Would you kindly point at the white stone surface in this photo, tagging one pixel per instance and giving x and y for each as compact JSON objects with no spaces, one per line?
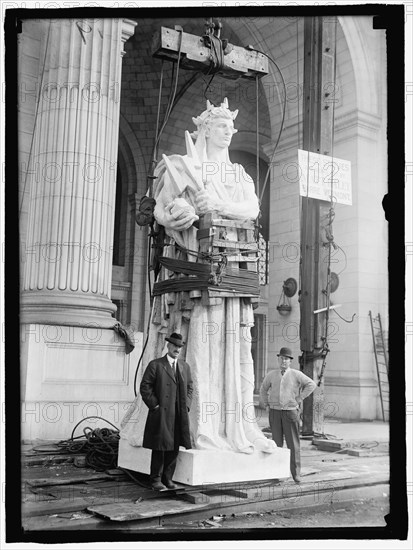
{"x":70,"y":373}
{"x":195,"y":467}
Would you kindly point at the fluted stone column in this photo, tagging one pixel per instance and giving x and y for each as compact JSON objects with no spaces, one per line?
{"x":72,"y":174}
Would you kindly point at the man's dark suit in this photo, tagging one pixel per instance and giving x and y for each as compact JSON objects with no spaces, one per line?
{"x":167,"y":425}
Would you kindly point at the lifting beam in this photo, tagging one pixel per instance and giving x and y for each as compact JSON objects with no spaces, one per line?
{"x":196,"y":54}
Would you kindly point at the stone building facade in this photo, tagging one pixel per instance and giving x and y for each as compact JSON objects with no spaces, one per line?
{"x":88,"y":101}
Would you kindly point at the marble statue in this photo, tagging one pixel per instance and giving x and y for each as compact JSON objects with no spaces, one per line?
{"x":218,"y":339}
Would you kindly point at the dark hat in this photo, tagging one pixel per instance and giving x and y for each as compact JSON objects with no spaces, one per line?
{"x":286,"y":352}
{"x":175,"y":339}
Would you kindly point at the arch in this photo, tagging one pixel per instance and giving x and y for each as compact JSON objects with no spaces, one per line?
{"x":366,"y":94}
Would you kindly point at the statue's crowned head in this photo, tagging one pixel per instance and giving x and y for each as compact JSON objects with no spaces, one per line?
{"x":211,"y":113}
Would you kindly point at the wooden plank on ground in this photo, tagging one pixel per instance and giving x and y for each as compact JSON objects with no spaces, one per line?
{"x":39,"y":459}
{"x":38,"y":497}
{"x":365,"y":452}
{"x":195,"y":498}
{"x":279,"y":496}
{"x":79,"y":489}
{"x":231,"y":492}
{"x":235,"y":493}
{"x":75,"y":504}
{"x":91,"y":493}
{"x":115,"y":483}
{"x":144,"y":510}
{"x":83,"y":521}
{"x":67,"y":479}
{"x":326,"y":444}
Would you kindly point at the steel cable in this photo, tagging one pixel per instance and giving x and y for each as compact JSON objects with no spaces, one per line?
{"x":100,"y":445}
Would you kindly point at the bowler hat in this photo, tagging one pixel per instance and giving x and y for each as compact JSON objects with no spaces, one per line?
{"x":175,"y":339}
{"x":286,"y":352}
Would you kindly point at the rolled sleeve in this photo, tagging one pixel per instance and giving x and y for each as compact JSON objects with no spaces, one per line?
{"x":307,"y":386}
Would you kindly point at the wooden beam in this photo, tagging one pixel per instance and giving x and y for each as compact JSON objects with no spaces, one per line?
{"x":195,"y":55}
{"x":195,"y":498}
{"x":67,"y":479}
{"x":319,"y":53}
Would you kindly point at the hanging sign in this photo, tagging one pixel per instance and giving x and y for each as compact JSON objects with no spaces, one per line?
{"x":322,"y":176}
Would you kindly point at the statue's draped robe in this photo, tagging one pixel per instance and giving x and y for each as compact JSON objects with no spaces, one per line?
{"x":218,"y":337}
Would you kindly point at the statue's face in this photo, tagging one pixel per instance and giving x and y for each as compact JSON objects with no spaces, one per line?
{"x":219,"y":132}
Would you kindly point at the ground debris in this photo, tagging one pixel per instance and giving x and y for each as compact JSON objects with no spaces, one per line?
{"x":70,"y":515}
{"x":80,"y":462}
{"x":212,"y":523}
{"x":221,"y":517}
{"x":80,"y":515}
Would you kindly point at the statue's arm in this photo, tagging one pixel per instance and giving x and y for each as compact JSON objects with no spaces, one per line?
{"x":172,"y":219}
{"x":246,"y":209}
{"x":171,"y":212}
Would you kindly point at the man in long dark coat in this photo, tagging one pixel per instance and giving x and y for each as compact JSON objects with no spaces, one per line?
{"x":166,"y":389}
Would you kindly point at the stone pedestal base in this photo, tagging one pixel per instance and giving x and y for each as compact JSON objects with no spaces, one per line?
{"x":196,"y":467}
{"x":69,"y":373}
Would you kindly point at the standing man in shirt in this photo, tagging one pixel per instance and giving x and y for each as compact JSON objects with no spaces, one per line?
{"x":281,"y":393}
{"x":166,"y":389}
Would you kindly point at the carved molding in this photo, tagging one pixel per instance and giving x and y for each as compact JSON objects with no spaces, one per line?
{"x":97,"y":348}
{"x":359,"y":122}
{"x":128,"y":29}
{"x":350,"y":382}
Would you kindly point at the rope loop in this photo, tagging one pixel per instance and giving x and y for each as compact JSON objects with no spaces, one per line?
{"x":217,"y":54}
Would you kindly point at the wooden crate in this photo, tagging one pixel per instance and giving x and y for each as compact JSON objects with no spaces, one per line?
{"x":234,"y":251}
{"x":227,"y":266}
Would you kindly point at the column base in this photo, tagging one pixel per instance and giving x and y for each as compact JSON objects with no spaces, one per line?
{"x":70,"y":309}
{"x":195,"y":467}
{"x":70,"y":373}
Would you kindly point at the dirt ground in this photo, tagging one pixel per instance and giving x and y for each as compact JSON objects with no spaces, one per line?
{"x":357,"y":513}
